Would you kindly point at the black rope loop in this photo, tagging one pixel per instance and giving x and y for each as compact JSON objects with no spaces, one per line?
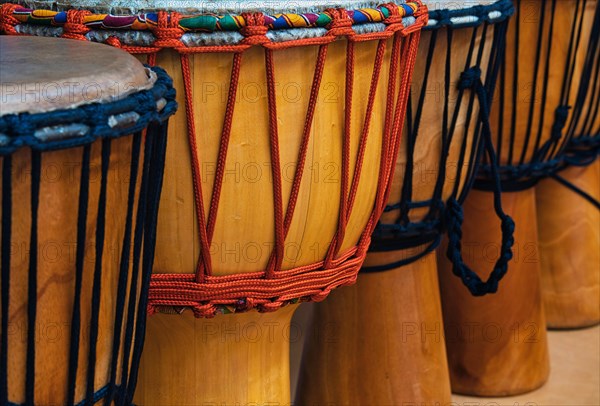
{"x":471,"y":78}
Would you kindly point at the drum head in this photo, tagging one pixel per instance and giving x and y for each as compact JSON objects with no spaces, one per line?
{"x":43,"y":74}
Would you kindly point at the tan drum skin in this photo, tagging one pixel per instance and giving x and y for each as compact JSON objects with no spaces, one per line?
{"x":508,"y":366}
{"x":173,"y":357}
{"x":384,"y":367}
{"x":57,"y":230}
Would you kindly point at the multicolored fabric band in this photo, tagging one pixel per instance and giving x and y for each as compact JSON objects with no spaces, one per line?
{"x":211,"y":22}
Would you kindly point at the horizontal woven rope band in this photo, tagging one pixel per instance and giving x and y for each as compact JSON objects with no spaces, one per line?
{"x":247,"y":291}
{"x":204,"y":292}
{"x":581,"y":151}
{"x":211,"y":22}
{"x":80,"y":126}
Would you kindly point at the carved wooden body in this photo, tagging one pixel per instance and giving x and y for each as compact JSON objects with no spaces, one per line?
{"x":244,"y":237}
{"x":57,"y":237}
{"x":506,"y":366}
{"x":569,"y":238}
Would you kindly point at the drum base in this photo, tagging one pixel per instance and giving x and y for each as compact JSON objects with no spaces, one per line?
{"x":232,"y":359}
{"x":497,"y":343}
{"x":379,"y":342}
{"x":569,"y":229}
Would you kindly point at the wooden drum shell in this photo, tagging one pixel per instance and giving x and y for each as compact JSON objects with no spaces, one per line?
{"x":57,"y":239}
{"x":569,"y":245}
{"x":78,"y":147}
{"x":244,"y":236}
{"x":522,"y":118}
{"x":245,"y":219}
{"x":389,"y":354}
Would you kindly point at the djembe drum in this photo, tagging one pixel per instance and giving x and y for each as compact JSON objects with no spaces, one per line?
{"x":568,"y":207}
{"x":498,"y":345}
{"x":82,"y":141}
{"x":399,"y":357}
{"x":275,"y":175}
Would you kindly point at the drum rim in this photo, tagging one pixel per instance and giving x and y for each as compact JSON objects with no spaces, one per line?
{"x":82,"y":125}
{"x":202,"y":30}
{"x":128,"y":7}
{"x":188,"y":22}
{"x":491,"y":11}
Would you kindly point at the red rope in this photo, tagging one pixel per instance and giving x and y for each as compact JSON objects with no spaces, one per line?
{"x":7,"y":21}
{"x":275,"y":166}
{"x":74,"y":28}
{"x":386,"y":166}
{"x":204,"y":265}
{"x":365,"y":133}
{"x":339,"y":235}
{"x":272,"y":288}
{"x":312,"y":103}
{"x":225,"y":136}
{"x":312,"y":282}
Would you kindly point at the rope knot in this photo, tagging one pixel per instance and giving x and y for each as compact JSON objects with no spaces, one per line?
{"x":561,"y":114}
{"x":470,"y":78}
{"x":207,"y":310}
{"x":341,"y":23}
{"x":255,"y":30}
{"x":7,"y":20}
{"x":168,"y":33}
{"x":481,"y":13}
{"x":443,"y":17}
{"x":75,"y":28}
{"x":151,"y":309}
{"x":394,"y":18}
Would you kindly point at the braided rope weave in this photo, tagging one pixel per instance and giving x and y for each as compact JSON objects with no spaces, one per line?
{"x":447,"y":215}
{"x":562,"y":145}
{"x":272,"y":288}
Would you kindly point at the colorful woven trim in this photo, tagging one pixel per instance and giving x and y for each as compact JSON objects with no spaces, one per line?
{"x":210,"y":22}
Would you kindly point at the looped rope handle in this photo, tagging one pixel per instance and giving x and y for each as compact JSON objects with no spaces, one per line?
{"x":471,"y":78}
